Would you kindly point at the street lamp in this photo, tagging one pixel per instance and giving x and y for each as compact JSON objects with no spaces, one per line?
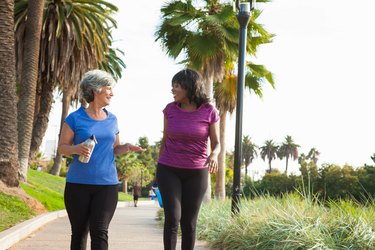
{"x":243,"y":17}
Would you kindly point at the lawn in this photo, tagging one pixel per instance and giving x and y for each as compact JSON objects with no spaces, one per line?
{"x":46,"y":188}
{"x":12,"y":211}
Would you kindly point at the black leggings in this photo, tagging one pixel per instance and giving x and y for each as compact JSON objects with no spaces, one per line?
{"x":90,"y":207}
{"x":182,"y":192}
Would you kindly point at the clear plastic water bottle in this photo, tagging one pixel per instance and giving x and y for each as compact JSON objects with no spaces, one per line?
{"x":90,"y":142}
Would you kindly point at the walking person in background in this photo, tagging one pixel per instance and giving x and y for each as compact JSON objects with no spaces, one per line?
{"x":91,"y":188}
{"x":184,"y":164}
{"x":136,"y":193}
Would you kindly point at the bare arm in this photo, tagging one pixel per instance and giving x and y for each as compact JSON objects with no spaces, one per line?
{"x":215,"y":148}
{"x":124,"y":148}
{"x":162,"y":144}
{"x":66,"y":146}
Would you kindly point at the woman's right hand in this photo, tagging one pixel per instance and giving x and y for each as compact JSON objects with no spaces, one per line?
{"x":82,"y":149}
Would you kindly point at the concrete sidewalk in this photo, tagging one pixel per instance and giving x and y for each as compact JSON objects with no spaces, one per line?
{"x":132,"y":228}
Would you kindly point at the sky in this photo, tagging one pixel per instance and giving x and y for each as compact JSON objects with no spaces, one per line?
{"x":322,"y":58}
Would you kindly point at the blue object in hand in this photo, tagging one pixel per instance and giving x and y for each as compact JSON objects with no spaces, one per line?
{"x":157,"y":192}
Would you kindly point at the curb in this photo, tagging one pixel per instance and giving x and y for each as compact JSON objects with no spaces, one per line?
{"x":14,"y":234}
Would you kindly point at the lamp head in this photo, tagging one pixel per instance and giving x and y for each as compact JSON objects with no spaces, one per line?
{"x":236,"y":4}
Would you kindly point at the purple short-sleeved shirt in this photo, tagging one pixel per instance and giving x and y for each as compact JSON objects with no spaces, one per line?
{"x":187,"y":135}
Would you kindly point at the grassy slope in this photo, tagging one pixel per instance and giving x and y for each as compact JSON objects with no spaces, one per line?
{"x":46,"y":188}
{"x":12,"y":211}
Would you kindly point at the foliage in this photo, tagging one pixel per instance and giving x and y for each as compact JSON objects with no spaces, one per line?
{"x":206,"y":35}
{"x":338,"y":182}
{"x":276,"y":183}
{"x":228,"y":181}
{"x":331,"y":182}
{"x":148,"y":159}
{"x":125,"y":164}
{"x":249,"y":151}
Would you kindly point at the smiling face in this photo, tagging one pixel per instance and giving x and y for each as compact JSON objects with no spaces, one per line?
{"x":104,"y":96}
{"x":179,"y":93}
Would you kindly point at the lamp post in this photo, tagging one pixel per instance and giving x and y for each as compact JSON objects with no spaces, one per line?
{"x":243,"y":17}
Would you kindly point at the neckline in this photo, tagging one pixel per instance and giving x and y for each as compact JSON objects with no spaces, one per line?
{"x":88,"y":116}
{"x":184,"y":110}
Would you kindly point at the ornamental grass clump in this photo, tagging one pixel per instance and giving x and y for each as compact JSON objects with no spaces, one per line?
{"x":214,"y":217}
{"x":290,"y":222}
{"x":353,"y":226}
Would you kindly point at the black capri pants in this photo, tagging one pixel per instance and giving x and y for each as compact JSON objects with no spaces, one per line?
{"x":182,"y":192}
{"x":90,"y":208}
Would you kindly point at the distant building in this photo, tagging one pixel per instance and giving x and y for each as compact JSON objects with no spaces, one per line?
{"x":50,"y":148}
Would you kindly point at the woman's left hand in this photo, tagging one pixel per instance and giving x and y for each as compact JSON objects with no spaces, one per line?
{"x":212,"y":164}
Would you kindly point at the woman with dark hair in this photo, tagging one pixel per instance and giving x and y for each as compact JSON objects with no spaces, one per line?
{"x":184,"y":163}
{"x":91,"y":184}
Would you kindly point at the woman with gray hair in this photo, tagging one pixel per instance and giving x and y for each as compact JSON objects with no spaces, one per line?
{"x":91,"y":183}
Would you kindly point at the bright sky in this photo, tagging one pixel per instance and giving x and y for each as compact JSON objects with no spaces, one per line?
{"x":322,"y":59}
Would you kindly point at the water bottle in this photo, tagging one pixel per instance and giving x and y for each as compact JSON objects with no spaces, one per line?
{"x":90,"y":142}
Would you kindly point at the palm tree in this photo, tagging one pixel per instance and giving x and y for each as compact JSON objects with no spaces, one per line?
{"x":269,"y":151}
{"x":225,"y":93}
{"x":8,"y":118}
{"x":288,"y":149}
{"x":249,"y":151}
{"x":207,"y":37}
{"x":75,"y":38}
{"x":313,"y":155}
{"x":29,"y":76}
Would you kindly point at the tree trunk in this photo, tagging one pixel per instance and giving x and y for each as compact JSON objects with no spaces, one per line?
{"x":41,"y":122}
{"x":246,"y":165}
{"x":208,"y":84}
{"x":125,"y":184}
{"x":56,"y":168}
{"x":29,"y":76}
{"x":286,"y":165}
{"x":269,"y":164}
{"x":8,"y":119}
{"x":220,"y":177}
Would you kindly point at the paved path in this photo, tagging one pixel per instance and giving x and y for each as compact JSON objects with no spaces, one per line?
{"x":132,"y":228}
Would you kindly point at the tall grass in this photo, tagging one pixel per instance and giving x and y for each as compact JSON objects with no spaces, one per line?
{"x":291,"y":222}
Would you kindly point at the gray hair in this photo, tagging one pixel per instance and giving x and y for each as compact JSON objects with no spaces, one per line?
{"x":93,"y":81}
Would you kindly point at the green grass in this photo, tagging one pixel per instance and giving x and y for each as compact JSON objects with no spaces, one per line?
{"x":13,"y":211}
{"x":124,"y":197}
{"x":51,"y":182}
{"x":46,"y":188}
